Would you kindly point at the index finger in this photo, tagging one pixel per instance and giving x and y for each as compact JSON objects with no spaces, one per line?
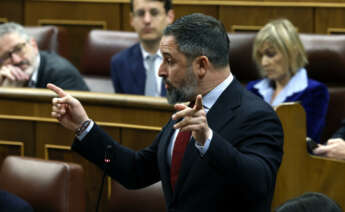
{"x":57,"y":90}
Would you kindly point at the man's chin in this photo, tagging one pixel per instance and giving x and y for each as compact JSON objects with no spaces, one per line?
{"x":150,"y":38}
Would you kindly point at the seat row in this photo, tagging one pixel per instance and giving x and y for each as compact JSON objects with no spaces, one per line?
{"x":50,"y":185}
{"x":59,"y":186}
{"x":326,"y":54}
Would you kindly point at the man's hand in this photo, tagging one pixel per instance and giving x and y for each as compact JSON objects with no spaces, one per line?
{"x":67,"y":109}
{"x":335,"y":148}
{"x":193,"y":119}
{"x":13,"y":76}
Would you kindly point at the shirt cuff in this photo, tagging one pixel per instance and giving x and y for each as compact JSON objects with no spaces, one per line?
{"x":203,"y":148}
{"x":86,"y":131}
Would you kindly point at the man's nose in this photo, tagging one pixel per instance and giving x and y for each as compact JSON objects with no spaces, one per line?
{"x":162,"y":71}
{"x":15,"y":58}
{"x":147,"y":17}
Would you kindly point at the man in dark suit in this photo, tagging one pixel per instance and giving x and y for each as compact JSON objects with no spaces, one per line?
{"x":131,"y":69}
{"x":219,"y":153}
{"x":23,"y":65}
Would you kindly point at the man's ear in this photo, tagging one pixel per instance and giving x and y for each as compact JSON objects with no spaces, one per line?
{"x":131,"y":17}
{"x":201,"y":66}
{"x":170,"y":16}
{"x":33,"y":43}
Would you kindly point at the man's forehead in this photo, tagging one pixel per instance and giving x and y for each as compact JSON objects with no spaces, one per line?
{"x":9,"y":40}
{"x":168,"y":43}
{"x":143,"y":3}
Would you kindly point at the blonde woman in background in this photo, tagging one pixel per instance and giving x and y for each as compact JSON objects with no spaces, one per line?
{"x":281,"y":58}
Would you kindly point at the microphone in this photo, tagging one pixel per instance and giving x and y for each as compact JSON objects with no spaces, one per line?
{"x":107,"y":160}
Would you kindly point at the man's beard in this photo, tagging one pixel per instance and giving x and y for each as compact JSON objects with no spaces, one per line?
{"x":186,"y":92}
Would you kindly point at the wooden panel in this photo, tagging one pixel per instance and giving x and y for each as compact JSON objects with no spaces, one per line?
{"x":3,"y":20}
{"x":51,"y":133}
{"x":12,"y":10}
{"x":327,"y":19}
{"x":77,"y":17}
{"x":336,"y":31}
{"x":181,"y":10}
{"x":114,"y":108}
{"x":77,"y":32}
{"x":10,"y":148}
{"x":93,"y":175}
{"x":301,"y":172}
{"x":77,"y":11}
{"x":241,"y":28}
{"x":19,"y":131}
{"x":137,"y":139}
{"x":302,"y":18}
{"x":125,"y":24}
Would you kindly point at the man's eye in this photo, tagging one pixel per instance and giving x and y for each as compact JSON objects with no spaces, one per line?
{"x":139,"y":13}
{"x":154,"y":12}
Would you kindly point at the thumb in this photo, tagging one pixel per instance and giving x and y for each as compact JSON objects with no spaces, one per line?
{"x":60,"y":92}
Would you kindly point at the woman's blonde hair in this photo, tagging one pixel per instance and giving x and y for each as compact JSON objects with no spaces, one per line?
{"x":283,"y":36}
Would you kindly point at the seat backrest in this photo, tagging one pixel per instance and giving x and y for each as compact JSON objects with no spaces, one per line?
{"x":50,"y":38}
{"x":326,"y":55}
{"x":45,"y":36}
{"x":142,"y":200}
{"x":100,"y":46}
{"x":335,"y":113}
{"x":240,"y":57}
{"x":47,"y":185}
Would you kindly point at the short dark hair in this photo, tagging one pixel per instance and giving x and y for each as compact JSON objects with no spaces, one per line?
{"x":201,"y":35}
{"x":310,"y":202}
{"x":167,"y":4}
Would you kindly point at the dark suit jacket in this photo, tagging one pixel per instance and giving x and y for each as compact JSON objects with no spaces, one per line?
{"x":314,"y":100}
{"x":58,"y":70}
{"x":11,"y":203}
{"x":237,"y":173}
{"x":128,"y":72}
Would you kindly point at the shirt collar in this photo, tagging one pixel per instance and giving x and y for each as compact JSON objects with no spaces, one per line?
{"x":146,"y":53}
{"x":297,"y":83}
{"x":211,"y":97}
{"x":34,"y":75}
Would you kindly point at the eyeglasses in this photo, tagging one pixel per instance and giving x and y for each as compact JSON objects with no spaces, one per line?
{"x":141,"y":13}
{"x":18,"y":50}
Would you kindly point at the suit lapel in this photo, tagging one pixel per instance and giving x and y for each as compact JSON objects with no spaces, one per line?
{"x":222,"y":110}
{"x":138,"y":70}
{"x":162,"y":156}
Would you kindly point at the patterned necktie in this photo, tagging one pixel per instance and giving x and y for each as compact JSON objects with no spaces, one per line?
{"x":151,"y":83}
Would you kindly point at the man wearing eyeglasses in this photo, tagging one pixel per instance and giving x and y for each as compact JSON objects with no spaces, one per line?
{"x":23,"y":65}
{"x":135,"y":70}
